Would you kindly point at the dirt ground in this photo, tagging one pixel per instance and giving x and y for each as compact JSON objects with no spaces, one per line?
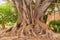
{"x":28,"y":34}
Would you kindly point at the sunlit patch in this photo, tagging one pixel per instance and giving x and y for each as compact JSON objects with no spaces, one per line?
{"x":2,"y":2}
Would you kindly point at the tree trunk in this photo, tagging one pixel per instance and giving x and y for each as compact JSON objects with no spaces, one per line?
{"x":3,"y":25}
{"x":29,"y":16}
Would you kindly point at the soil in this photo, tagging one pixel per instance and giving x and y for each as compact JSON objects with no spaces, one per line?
{"x":29,"y":33}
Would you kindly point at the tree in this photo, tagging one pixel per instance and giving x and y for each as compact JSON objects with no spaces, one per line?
{"x":30,"y":16}
{"x":7,"y":14}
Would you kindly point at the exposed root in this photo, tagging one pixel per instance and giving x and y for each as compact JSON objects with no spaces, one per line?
{"x":32,"y":32}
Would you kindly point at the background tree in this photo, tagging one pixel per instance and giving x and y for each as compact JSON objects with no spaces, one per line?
{"x":7,"y":14}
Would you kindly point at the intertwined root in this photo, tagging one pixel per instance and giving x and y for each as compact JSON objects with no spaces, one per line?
{"x":35,"y":29}
{"x":29,"y":32}
{"x":31,"y":29}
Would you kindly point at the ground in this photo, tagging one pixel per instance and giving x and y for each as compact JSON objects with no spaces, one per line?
{"x":37,"y":33}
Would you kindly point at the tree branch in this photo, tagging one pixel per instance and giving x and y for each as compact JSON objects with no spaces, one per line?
{"x":37,"y":3}
{"x":45,"y":5}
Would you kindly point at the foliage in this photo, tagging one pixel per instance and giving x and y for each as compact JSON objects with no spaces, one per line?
{"x":55,"y":24}
{"x":8,"y":13}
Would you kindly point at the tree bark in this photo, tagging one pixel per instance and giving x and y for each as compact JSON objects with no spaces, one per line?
{"x":29,"y":16}
{"x":3,"y":25}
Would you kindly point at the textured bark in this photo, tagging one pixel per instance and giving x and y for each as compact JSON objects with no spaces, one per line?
{"x":27,"y":15}
{"x":29,"y":19}
{"x":29,"y":25}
